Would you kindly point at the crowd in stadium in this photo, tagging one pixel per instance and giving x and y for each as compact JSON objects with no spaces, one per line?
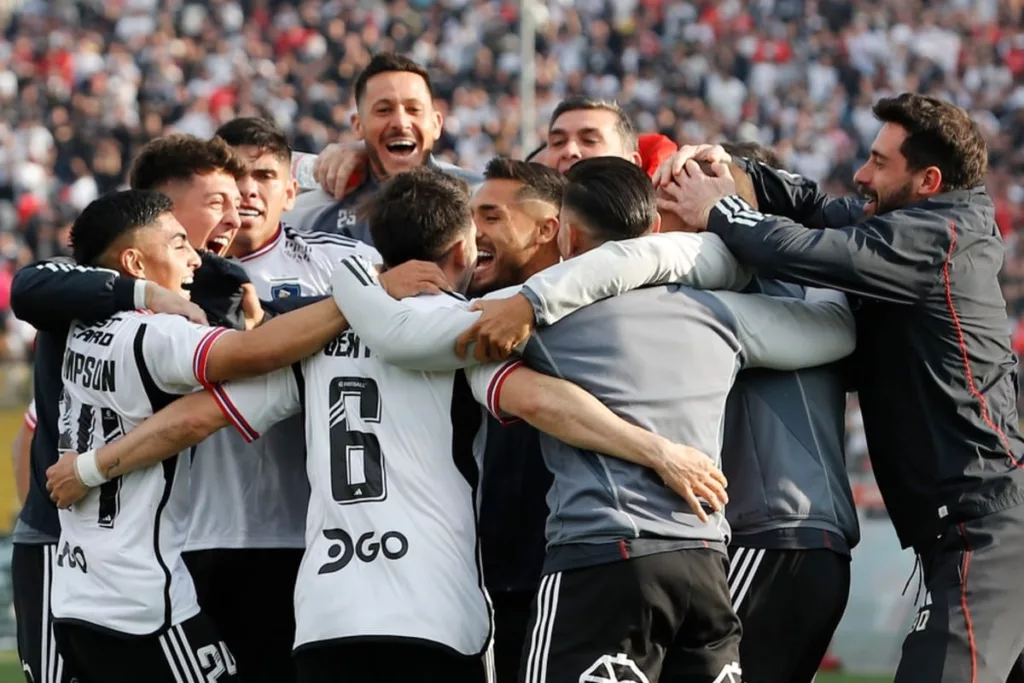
{"x":813,"y":81}
{"x":84,"y":84}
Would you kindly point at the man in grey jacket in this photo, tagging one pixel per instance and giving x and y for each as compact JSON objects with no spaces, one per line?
{"x":635,"y":584}
{"x":397,"y":121}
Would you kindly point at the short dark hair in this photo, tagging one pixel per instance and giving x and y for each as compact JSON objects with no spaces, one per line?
{"x":623,"y":124}
{"x":533,"y":155}
{"x":939,"y":134}
{"x":418,"y":215}
{"x":614,"y":197}
{"x":387,"y":62}
{"x":106,"y":219}
{"x":251,"y":131}
{"x":754,"y":151}
{"x":181,"y":157}
{"x":539,"y":182}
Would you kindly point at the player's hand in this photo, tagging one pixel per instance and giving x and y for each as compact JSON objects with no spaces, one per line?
{"x":412,"y":278}
{"x":63,"y":483}
{"x":692,"y":475}
{"x":694,"y":193}
{"x":672,"y":168}
{"x":335,"y":166}
{"x":162,"y":300}
{"x":252,"y":309}
{"x":504,"y":325}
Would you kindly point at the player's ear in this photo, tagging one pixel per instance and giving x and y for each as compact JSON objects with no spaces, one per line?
{"x":291,"y":191}
{"x":438,"y":120}
{"x":657,"y":223}
{"x":357,"y":125}
{"x":131,"y":263}
{"x":547,"y":229}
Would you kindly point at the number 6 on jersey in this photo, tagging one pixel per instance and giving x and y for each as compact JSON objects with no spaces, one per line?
{"x":357,"y":465}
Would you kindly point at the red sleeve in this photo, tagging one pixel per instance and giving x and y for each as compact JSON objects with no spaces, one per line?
{"x":654,"y":149}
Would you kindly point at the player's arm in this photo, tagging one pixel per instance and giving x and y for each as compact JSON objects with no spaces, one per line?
{"x":788,"y":334}
{"x":570,"y":414}
{"x":897,"y":256}
{"x":802,"y":200}
{"x":21,"y":453}
{"x":51,"y":294}
{"x":398,"y":333}
{"x":250,"y":405}
{"x":694,"y":259}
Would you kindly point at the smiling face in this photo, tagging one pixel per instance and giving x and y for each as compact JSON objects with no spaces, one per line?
{"x":397,"y":119}
{"x":162,"y":254}
{"x":267,"y":190}
{"x":207,"y":207}
{"x":884,"y":180}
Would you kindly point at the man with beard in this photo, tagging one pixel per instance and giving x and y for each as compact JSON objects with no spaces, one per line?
{"x":399,"y":125}
{"x":49,"y":296}
{"x":933,"y":367}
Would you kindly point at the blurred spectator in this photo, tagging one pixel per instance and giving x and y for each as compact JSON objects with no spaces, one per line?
{"x":84,"y":83}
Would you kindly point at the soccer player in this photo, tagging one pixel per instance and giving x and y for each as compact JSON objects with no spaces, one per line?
{"x":249,"y":501}
{"x":933,"y":368}
{"x":614,"y":531}
{"x":396,"y":118}
{"x":390,"y":572}
{"x":122,"y":600}
{"x":49,"y":296}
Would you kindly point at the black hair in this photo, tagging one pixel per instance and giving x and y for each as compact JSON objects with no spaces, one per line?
{"x":109,"y":217}
{"x":418,"y":215}
{"x":613,"y":197}
{"x":539,"y":182}
{"x":939,"y":134}
{"x":754,"y":151}
{"x":251,"y":131}
{"x":623,"y":124}
{"x":388,"y":62}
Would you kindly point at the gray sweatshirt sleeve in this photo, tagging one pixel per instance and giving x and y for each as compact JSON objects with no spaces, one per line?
{"x":699,"y":260}
{"x":399,"y":333}
{"x":790,"y":334}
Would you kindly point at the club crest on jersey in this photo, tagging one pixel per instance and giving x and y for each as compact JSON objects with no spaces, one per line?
{"x":285,"y":290}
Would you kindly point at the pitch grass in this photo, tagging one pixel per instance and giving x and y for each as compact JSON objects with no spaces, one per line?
{"x":10,"y":672}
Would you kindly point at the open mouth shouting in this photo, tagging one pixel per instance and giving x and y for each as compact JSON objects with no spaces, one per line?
{"x":402,"y":151}
{"x":219,"y":244}
{"x":484,"y":263}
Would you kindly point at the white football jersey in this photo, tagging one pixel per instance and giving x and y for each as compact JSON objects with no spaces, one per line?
{"x":391,"y":536}
{"x":119,"y":555}
{"x":254,"y":495}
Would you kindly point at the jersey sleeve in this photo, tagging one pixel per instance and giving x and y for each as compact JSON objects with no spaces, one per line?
{"x":698,"y":260}
{"x":798,"y":198}
{"x":51,"y":294}
{"x":254,"y":405}
{"x":486,"y":381}
{"x":30,"y":416}
{"x":177,"y":352}
{"x":405,"y":333}
{"x":789,"y":334}
{"x":895,"y":257}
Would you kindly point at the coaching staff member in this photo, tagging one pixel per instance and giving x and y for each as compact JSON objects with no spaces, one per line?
{"x":935,"y":371}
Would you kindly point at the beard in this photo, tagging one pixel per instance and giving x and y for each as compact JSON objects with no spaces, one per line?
{"x":377,"y":163}
{"x":880,"y":203}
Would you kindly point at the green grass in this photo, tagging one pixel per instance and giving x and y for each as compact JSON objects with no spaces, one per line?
{"x":834,"y":678}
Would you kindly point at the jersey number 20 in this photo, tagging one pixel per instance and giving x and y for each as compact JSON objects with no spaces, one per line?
{"x":357,"y":464}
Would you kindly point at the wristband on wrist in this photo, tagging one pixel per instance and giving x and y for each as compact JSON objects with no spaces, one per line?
{"x":140,"y":295}
{"x":88,"y":470}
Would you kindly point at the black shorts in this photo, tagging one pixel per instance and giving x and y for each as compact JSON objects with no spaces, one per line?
{"x":511,"y":628}
{"x":970,"y":623}
{"x":31,"y":578}
{"x":386,"y":661}
{"x":790,"y":603}
{"x":664,"y":616}
{"x":249,"y":595}
{"x":190,"y":651}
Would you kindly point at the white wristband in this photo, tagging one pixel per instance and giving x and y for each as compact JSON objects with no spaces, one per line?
{"x":140,"y":295}
{"x":88,"y":470}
